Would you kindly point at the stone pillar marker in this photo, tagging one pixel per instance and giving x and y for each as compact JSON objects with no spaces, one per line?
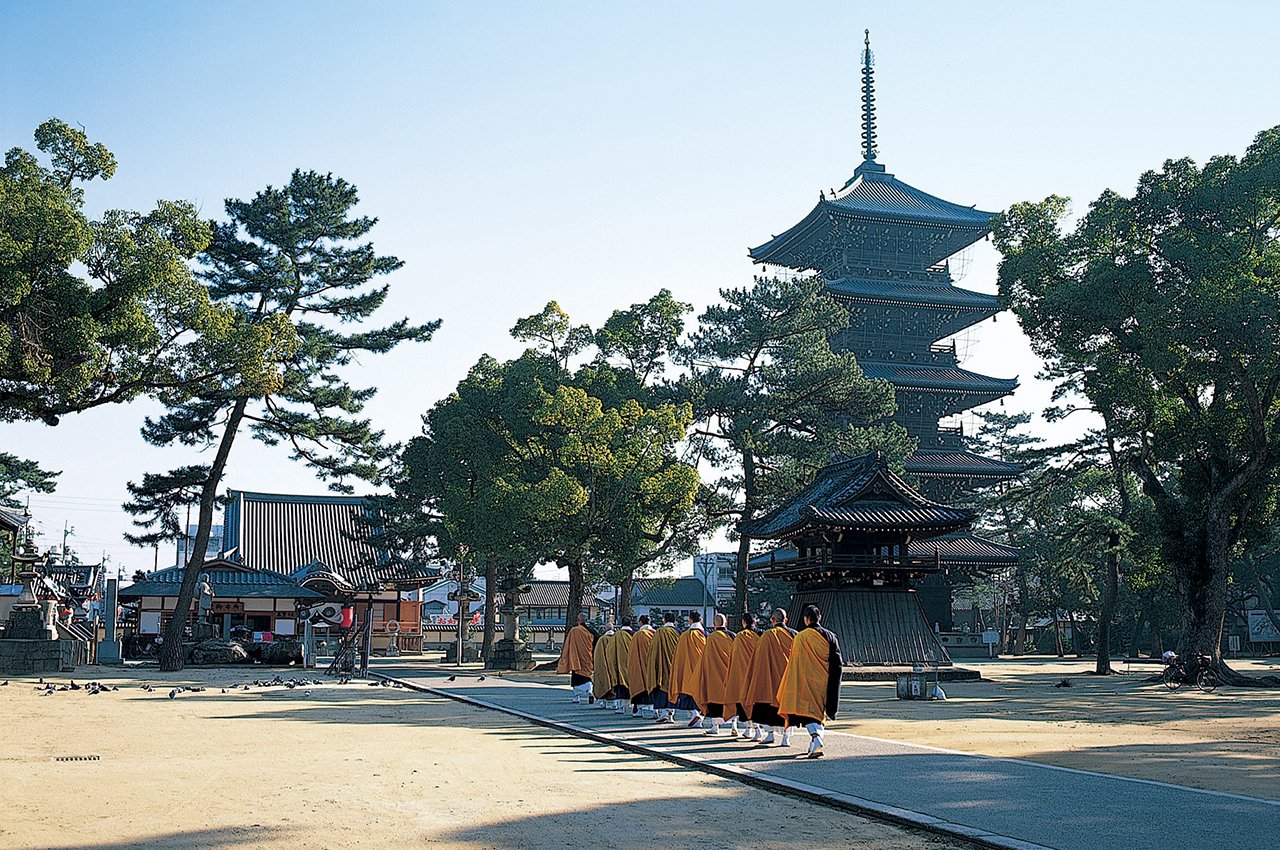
{"x":109,"y":651}
{"x":511,"y":653}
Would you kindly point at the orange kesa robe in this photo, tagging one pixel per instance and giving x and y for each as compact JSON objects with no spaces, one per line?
{"x":657,"y":665}
{"x":713,"y":684}
{"x":636,"y":678}
{"x":767,"y":667}
{"x":810,"y":687}
{"x":686,"y":667}
{"x":602,"y":681}
{"x":619,"y":655}
{"x":744,"y":650}
{"x":578,"y":655}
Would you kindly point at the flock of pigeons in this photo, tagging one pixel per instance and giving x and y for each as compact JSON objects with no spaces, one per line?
{"x":94,"y":688}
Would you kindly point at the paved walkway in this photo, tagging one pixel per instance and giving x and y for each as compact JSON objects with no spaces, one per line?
{"x":998,"y":802}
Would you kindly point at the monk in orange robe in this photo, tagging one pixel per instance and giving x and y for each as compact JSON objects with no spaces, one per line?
{"x":636,"y":658}
{"x":577,"y":658}
{"x":770,"y":662}
{"x":686,"y":669}
{"x":713,"y":684}
{"x":619,"y":654}
{"x":810,"y":689}
{"x":657,"y":668}
{"x":744,"y":650}
{"x":602,"y":681}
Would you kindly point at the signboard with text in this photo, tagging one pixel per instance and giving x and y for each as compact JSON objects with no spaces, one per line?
{"x":1261,"y":629}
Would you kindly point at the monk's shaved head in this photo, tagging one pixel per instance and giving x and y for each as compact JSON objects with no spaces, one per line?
{"x":582,"y":619}
{"x":779,"y":616}
{"x":720,"y":621}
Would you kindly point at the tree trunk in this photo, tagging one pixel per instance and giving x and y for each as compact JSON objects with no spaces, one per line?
{"x":1024,"y":605}
{"x":171,"y":652}
{"x":744,"y":542}
{"x":1137,"y":634}
{"x":490,"y":606}
{"x":575,"y":597}
{"x":1204,"y":589}
{"x":1057,"y":633}
{"x":1111,"y":590}
{"x":624,"y":596}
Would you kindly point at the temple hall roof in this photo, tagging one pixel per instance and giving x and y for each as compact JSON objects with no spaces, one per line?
{"x":684,"y":592}
{"x":321,"y":540}
{"x":859,"y":494}
{"x":964,"y":549}
{"x":228,"y":580}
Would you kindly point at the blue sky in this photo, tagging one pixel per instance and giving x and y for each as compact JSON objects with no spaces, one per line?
{"x":594,"y":153}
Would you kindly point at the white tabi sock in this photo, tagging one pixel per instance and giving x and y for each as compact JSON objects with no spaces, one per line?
{"x":786,"y":736}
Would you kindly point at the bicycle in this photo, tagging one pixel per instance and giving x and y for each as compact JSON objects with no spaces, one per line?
{"x":1198,"y":670}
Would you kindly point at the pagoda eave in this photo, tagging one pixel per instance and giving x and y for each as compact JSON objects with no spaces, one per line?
{"x":951,"y":379}
{"x":793,"y":247}
{"x":959,"y":465}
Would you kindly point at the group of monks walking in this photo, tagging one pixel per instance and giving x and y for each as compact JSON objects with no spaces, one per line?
{"x":762,"y":684}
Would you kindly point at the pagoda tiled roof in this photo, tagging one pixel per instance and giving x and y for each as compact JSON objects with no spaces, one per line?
{"x":959,"y":464}
{"x":859,"y":494}
{"x":964,"y":549}
{"x":911,"y":294}
{"x":877,"y":196}
{"x":926,"y":377}
{"x":873,"y":193}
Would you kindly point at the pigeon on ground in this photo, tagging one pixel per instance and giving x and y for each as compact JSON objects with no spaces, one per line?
{"x":451,"y":678}
{"x":480,"y":678}
{"x":173,"y":693}
{"x":1065,"y":683}
{"x":306,"y":693}
{"x":147,"y":688}
{"x":224,"y":690}
{"x":4,"y":683}
{"x":74,"y":686}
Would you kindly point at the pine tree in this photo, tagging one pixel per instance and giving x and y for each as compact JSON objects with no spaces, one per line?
{"x":291,"y":266}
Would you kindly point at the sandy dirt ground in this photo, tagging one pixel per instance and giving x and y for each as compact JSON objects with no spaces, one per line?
{"x":1228,"y":740}
{"x":342,"y":766}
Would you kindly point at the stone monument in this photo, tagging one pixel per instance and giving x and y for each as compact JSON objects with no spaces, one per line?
{"x":30,"y":641}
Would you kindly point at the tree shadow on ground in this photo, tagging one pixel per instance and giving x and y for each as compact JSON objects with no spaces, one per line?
{"x":720,"y":820}
{"x":196,"y":839}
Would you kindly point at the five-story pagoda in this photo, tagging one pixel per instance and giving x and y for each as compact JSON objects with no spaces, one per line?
{"x":883,"y":249}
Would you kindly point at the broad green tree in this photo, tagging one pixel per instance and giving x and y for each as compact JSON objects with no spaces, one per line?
{"x":1163,"y":310}
{"x":293,"y":266}
{"x":773,"y":400}
{"x":95,"y":312}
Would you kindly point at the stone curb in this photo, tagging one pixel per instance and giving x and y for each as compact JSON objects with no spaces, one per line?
{"x":811,"y":793}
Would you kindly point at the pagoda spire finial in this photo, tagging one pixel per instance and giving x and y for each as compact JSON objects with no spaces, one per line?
{"x":868,"y":101}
